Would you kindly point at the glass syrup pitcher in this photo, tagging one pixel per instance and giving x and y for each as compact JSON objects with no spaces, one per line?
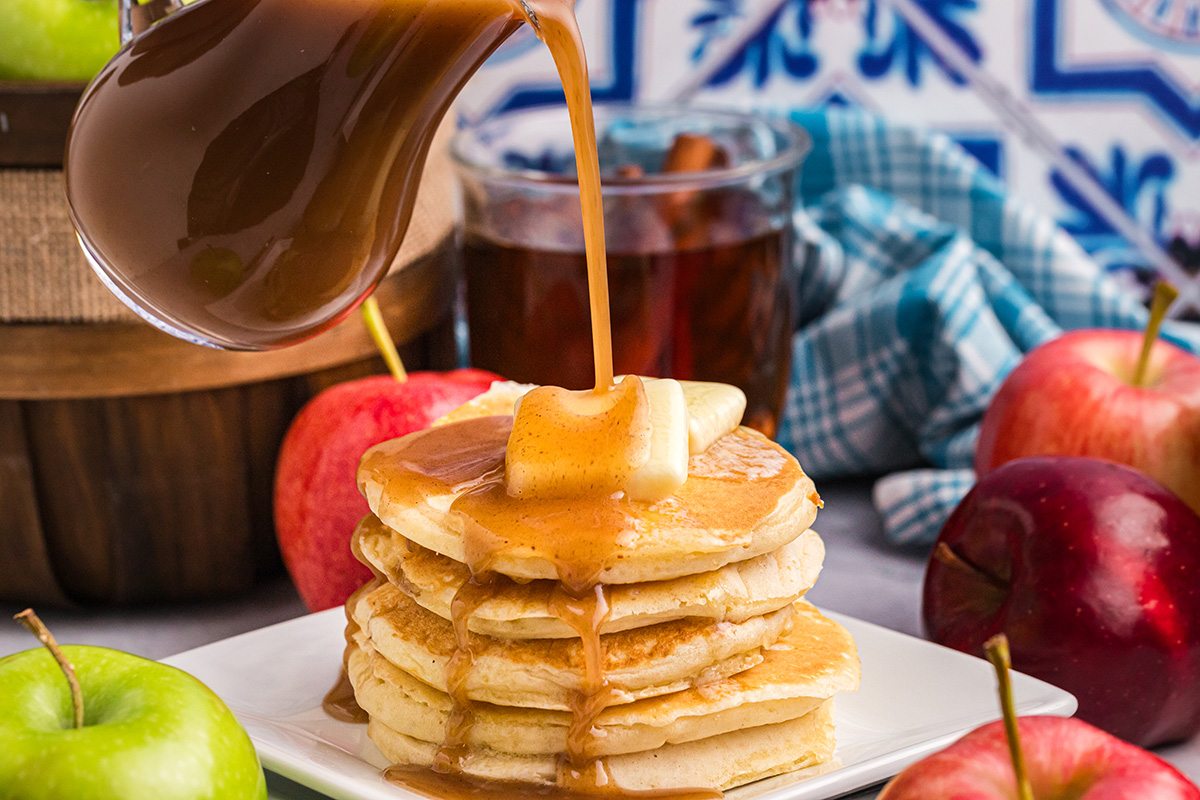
{"x":242,"y":172}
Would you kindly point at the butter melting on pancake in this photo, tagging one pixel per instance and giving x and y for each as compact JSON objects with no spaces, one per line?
{"x":444,"y":489}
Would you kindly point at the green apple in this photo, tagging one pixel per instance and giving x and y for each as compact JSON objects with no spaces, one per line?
{"x":56,"y":40}
{"x":150,"y":732}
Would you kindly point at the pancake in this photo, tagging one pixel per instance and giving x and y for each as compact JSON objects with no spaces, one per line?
{"x":708,"y":671}
{"x":745,"y":496}
{"x":499,"y":400}
{"x":549,"y":673}
{"x":514,"y":610}
{"x":810,"y":663}
{"x":723,"y":761}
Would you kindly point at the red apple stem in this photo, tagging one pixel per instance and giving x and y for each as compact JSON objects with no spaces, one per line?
{"x":38,"y":628}
{"x":996,"y":649}
{"x":1164,"y":295}
{"x":373,"y":317}
{"x":945,"y":554}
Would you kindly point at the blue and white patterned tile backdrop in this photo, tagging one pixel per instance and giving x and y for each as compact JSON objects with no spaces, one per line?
{"x":1116,"y":82}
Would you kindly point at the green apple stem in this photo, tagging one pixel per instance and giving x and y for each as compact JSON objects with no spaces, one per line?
{"x":373,"y":317}
{"x":1164,"y":295}
{"x":997,"y":652}
{"x":38,"y":628}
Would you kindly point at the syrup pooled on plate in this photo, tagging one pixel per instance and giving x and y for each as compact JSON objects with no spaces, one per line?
{"x":245,"y":170}
{"x":340,"y":703}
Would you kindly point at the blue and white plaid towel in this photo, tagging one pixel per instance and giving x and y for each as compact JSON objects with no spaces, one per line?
{"x":921,"y":284}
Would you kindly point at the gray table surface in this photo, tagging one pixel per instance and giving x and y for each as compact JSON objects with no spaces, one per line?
{"x":863,"y":577}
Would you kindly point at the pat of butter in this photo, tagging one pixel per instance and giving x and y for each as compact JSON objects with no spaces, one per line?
{"x":500,"y":399}
{"x":573,"y":443}
{"x":635,"y":438}
{"x":666,"y":468}
{"x":714,"y":410}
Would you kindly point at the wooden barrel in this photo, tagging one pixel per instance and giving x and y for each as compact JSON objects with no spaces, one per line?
{"x":136,"y":467}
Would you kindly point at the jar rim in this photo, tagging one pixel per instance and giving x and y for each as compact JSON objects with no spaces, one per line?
{"x":794,"y":146}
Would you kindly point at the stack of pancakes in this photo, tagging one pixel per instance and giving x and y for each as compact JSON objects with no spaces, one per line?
{"x":703,"y":666}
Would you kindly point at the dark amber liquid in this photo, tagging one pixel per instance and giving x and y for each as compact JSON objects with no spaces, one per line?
{"x":717,"y":313}
{"x":340,"y":703}
{"x":249,"y":167}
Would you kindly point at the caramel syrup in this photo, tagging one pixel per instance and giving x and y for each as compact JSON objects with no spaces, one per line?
{"x":558,"y":28}
{"x":456,"y":746}
{"x":341,"y":704}
{"x":246,"y":171}
{"x":586,"y":614}
{"x":247,"y":168}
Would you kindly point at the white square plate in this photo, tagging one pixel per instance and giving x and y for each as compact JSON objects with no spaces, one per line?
{"x":916,"y":697}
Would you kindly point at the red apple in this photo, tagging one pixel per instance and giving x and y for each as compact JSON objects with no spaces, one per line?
{"x":1066,"y":759}
{"x":1037,"y":758}
{"x":1075,"y":396}
{"x":1092,"y":569}
{"x":317,"y":503}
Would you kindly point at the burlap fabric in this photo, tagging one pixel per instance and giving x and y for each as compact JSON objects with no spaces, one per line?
{"x":45,"y":278}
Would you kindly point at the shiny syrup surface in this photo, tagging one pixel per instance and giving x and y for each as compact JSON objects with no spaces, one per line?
{"x":341,"y":704}
{"x":249,"y":167}
{"x":467,"y":459}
